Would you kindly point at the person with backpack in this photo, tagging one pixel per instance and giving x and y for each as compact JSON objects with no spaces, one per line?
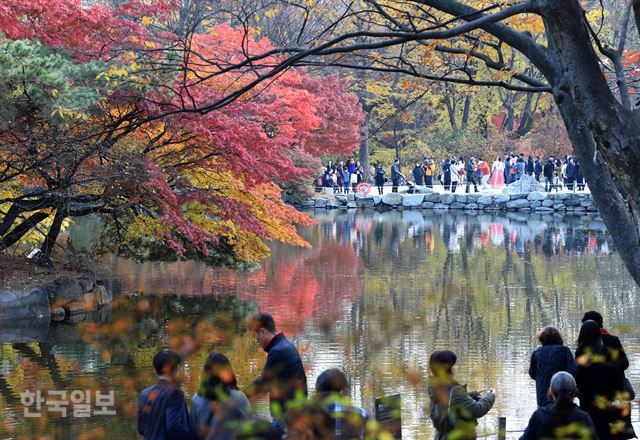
{"x":454,"y":411}
{"x":162,"y":410}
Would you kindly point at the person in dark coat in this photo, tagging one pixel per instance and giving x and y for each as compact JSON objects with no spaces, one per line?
{"x":549,"y":168}
{"x":507,"y":170}
{"x":332,"y":391}
{"x":446,"y":175}
{"x":418,"y":175}
{"x":579,"y":177}
{"x":283,"y":375}
{"x":610,"y":341}
{"x":379,"y":178}
{"x":552,"y":356}
{"x":600,"y":383}
{"x":570,"y":174}
{"x":537,"y":168}
{"x":162,"y":410}
{"x":561,"y":418}
{"x":471,"y":174}
{"x":395,"y":175}
{"x":530,"y":166}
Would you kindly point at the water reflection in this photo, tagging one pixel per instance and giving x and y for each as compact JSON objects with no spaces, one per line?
{"x":376,"y":294}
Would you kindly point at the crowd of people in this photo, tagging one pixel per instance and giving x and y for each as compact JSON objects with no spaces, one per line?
{"x":454,"y":173}
{"x":220,"y":410}
{"x":342,"y":177}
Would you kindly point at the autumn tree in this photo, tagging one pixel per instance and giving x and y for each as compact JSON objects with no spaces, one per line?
{"x":104,"y":119}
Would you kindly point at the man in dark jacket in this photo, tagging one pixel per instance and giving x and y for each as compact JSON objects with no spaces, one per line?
{"x":283,"y":375}
{"x":570,"y":172}
{"x":530,"y":166}
{"x":561,"y":418}
{"x":418,"y":175}
{"x":471,"y":174}
{"x":395,"y":175}
{"x":162,"y":410}
{"x":549,"y":167}
{"x":537,"y":168}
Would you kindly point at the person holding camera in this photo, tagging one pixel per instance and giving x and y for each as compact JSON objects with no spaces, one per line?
{"x":454,"y":411}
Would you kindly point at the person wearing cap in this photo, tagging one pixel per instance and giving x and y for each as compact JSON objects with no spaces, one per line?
{"x":560,"y":418}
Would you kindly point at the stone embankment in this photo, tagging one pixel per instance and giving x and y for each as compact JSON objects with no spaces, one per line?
{"x":536,"y":201}
{"x":64,"y":299}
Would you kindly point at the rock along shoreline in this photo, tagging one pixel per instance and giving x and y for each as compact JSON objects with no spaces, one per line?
{"x":65,"y":299}
{"x":536,"y":201}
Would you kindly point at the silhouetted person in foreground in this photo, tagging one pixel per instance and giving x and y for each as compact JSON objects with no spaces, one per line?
{"x":332,"y":392}
{"x":283,"y":375}
{"x":609,"y":340}
{"x":561,"y":418}
{"x":162,"y":410}
{"x":454,"y":411}
{"x":600,"y":383}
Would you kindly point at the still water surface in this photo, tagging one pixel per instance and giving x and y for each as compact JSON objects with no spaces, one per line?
{"x":375,"y":295}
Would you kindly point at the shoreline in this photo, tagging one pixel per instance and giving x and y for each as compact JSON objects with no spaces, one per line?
{"x":534,"y":202}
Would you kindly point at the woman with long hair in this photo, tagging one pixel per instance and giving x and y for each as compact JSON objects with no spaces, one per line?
{"x":218,"y":402}
{"x":600,"y":383}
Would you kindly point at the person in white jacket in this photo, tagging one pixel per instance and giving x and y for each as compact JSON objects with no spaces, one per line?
{"x":455,"y":175}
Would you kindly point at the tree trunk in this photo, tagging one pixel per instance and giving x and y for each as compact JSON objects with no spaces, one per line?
{"x":52,"y":235}
{"x":604,"y":134}
{"x":451,"y":111}
{"x":526,"y":122}
{"x":636,"y":13}
{"x":465,"y":113}
{"x":20,"y":231}
{"x":9,"y":218}
{"x":365,"y":148}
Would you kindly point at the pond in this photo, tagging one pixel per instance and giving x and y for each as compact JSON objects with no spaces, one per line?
{"x":374,"y":296}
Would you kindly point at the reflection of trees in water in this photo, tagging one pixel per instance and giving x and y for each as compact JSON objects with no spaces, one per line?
{"x":484,"y":289}
{"x":113,"y":352}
